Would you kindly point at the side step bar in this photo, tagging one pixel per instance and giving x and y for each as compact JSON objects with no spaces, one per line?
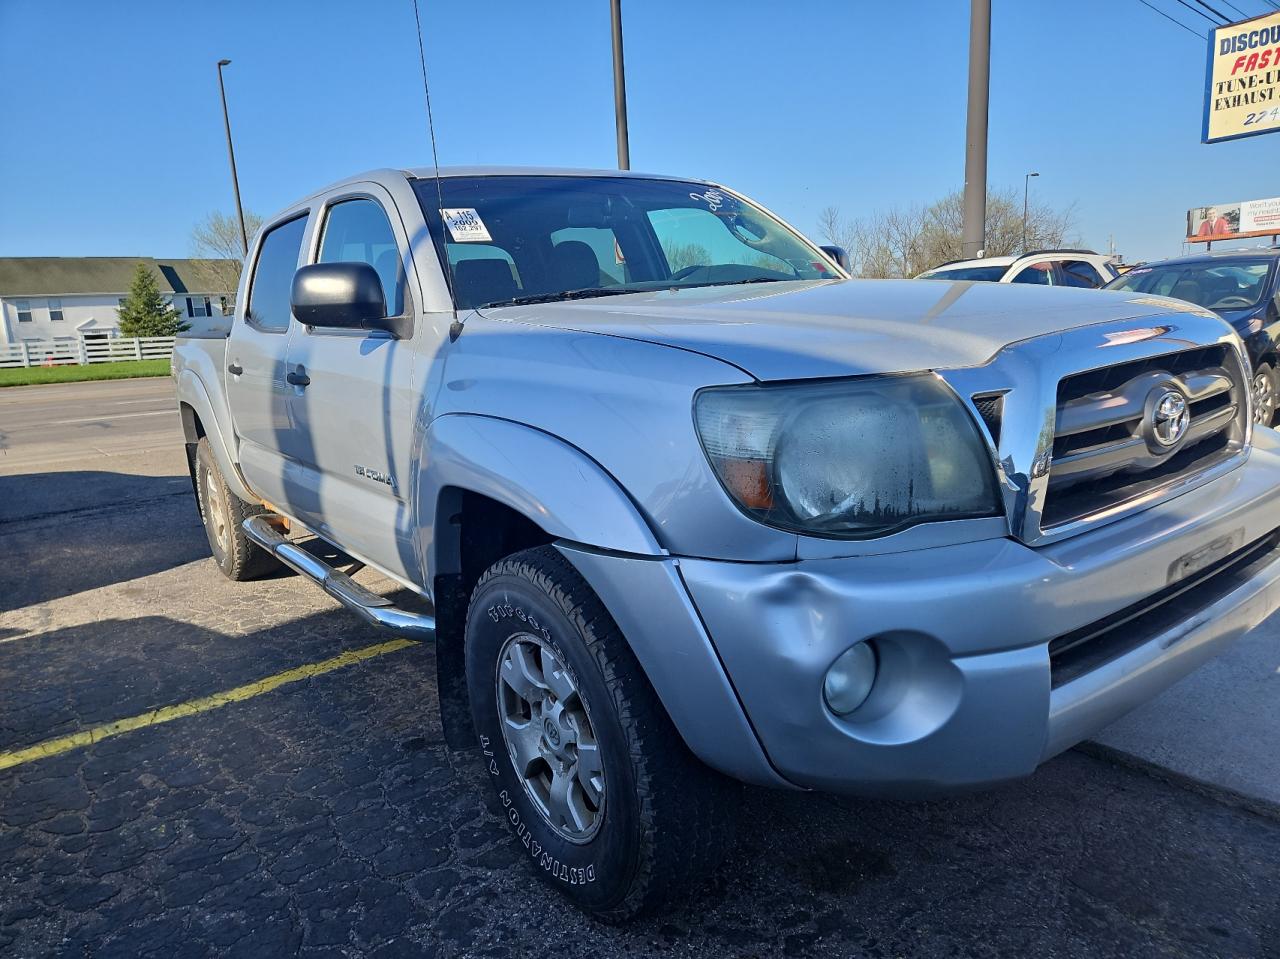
{"x":368,"y":605}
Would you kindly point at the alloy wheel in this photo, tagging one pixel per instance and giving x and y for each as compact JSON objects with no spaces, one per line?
{"x":549,"y":737}
{"x":215,"y":512}
{"x":1264,"y":400}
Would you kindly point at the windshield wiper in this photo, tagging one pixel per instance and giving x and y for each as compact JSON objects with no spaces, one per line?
{"x":754,"y":279}
{"x":564,"y":295}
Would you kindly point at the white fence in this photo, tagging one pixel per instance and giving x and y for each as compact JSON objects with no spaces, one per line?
{"x":73,"y":352}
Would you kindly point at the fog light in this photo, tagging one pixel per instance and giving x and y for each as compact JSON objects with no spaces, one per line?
{"x":850,"y":678}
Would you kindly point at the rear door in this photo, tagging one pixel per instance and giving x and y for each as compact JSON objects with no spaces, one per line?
{"x":257,"y":350}
{"x":350,"y":448}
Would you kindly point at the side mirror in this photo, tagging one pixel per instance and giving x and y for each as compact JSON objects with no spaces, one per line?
{"x":343,"y":296}
{"x":840,"y":255}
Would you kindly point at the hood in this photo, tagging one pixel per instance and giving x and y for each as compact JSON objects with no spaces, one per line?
{"x":808,"y":329}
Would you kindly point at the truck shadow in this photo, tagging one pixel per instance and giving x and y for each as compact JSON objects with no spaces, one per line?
{"x":79,"y":530}
{"x":331,"y":808}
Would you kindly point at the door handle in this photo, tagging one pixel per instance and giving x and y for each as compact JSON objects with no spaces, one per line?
{"x":235,"y":369}
{"x":298,"y":377}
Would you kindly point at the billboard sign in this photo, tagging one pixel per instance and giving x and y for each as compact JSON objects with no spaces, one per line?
{"x":1233,"y":221}
{"x":1242,"y":80}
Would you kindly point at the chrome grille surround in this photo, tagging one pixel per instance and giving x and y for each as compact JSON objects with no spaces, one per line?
{"x":1069,"y":462}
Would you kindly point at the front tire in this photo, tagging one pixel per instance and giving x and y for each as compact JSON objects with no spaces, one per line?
{"x":222,"y":513}
{"x":1265,"y":386}
{"x":588,"y":770}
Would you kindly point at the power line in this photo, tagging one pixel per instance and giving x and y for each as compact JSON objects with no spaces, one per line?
{"x":1225,"y":18}
{"x":1235,"y":8}
{"x":1199,"y":13}
{"x":1172,"y":20}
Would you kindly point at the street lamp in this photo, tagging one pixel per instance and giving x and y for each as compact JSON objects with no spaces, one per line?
{"x":1026,"y":187}
{"x":231,"y":152}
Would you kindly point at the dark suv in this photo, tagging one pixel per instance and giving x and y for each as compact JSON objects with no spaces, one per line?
{"x":1242,"y":287}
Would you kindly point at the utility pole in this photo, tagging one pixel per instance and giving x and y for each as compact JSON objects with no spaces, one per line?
{"x":620,"y":88}
{"x":975,"y":153}
{"x":1026,"y":187}
{"x":231,"y":152}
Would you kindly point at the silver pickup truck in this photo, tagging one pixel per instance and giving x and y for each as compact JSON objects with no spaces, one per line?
{"x":682,"y":504}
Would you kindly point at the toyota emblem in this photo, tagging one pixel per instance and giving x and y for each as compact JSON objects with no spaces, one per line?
{"x":1170,"y":418}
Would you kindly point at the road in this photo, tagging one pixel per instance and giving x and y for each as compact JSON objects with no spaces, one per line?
{"x":320,"y":814}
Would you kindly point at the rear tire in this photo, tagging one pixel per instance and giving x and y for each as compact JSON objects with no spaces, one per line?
{"x":222,"y":513}
{"x":589,"y":772}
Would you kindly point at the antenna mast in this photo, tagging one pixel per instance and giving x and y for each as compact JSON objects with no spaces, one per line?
{"x":456,"y":328}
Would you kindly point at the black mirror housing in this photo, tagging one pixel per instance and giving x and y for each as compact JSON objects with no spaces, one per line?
{"x":343,"y":296}
{"x":840,"y":255}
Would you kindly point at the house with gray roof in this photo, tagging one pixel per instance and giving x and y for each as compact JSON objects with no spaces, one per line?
{"x":78,"y":297}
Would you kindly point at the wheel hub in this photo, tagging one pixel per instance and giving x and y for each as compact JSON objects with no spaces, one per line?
{"x":549,"y":737}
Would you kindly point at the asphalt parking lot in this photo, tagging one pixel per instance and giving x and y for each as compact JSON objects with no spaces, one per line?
{"x":317,"y":811}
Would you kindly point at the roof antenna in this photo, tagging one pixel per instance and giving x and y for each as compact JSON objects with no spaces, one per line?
{"x":455,"y":328}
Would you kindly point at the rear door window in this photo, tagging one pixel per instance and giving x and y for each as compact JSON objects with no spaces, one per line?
{"x":268,"y":308}
{"x":1038,"y":273}
{"x":1080,"y":273}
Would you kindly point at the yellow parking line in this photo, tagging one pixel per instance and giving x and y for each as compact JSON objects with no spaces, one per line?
{"x":53,"y":747}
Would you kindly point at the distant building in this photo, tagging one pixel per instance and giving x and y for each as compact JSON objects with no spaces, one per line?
{"x":78,"y":297}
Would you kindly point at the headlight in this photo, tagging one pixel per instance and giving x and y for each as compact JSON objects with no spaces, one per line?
{"x":848,"y":459}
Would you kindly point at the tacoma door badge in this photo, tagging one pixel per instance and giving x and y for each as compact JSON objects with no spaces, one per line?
{"x":377,"y":476}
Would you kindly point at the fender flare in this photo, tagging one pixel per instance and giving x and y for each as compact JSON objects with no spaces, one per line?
{"x":538,"y":475}
{"x":192,"y":392}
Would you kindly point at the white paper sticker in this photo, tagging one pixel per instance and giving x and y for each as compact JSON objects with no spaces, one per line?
{"x":465,"y":226}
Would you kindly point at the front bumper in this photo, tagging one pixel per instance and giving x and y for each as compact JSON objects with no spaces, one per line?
{"x":965,"y":696}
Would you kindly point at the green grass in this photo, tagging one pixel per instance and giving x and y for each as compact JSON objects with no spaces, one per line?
{"x":126,"y":369}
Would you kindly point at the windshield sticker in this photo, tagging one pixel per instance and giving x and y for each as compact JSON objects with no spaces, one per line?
{"x":1139,"y":270}
{"x":712,"y":198}
{"x":465,"y":226}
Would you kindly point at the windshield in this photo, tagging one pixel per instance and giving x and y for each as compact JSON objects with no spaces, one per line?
{"x":987,"y":273}
{"x":513,"y":239}
{"x":1213,"y":284}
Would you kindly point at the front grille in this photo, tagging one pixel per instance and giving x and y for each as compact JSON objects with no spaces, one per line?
{"x":990,"y":407}
{"x":1104,"y":454}
{"x":1085,"y":649}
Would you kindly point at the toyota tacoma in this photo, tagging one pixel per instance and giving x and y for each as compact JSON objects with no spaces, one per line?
{"x":682,"y":504}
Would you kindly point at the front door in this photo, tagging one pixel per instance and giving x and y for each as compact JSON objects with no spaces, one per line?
{"x":256,"y":352}
{"x":353,"y":420}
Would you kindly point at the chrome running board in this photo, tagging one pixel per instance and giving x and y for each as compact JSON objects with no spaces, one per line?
{"x":366,"y":604}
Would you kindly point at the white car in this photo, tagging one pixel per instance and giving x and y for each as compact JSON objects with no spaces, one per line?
{"x":1080,"y":268}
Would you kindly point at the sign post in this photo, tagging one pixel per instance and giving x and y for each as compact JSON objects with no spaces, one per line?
{"x":1242,"y":80}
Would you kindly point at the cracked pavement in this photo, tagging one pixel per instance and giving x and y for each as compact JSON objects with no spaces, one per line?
{"x":326,"y":817}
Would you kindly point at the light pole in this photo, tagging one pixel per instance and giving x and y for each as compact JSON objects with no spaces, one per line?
{"x":974,"y":235}
{"x":619,"y":87}
{"x":1026,"y":187}
{"x":231,"y":152}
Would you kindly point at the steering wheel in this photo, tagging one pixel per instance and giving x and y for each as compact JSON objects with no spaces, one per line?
{"x":1232,"y":303}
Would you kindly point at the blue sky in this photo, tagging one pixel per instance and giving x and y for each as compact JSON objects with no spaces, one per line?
{"x":113,"y":141}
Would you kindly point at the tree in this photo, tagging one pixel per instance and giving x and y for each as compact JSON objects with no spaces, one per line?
{"x":145,"y":311}
{"x":906,"y":241}
{"x":680,"y":256}
{"x":216,"y":239}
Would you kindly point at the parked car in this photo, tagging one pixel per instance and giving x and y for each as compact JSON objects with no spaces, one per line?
{"x":691,"y":507}
{"x":1242,"y":287}
{"x":1080,"y":268}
